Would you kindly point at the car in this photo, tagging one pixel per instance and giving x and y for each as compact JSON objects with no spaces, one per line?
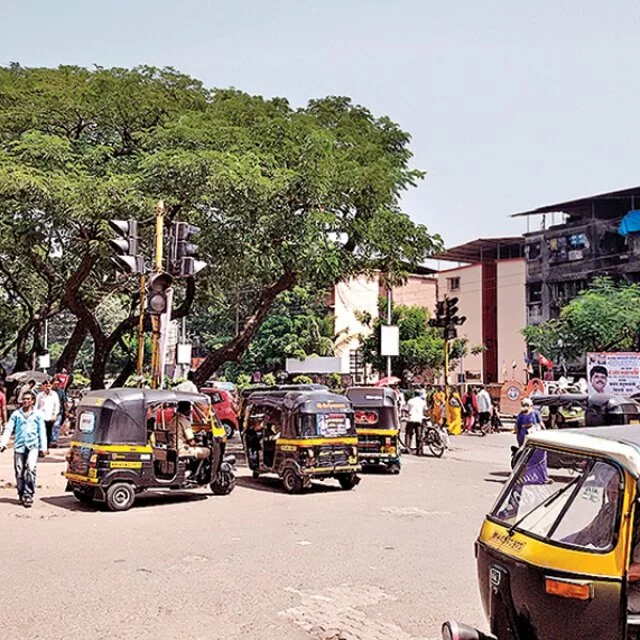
{"x":224,"y":407}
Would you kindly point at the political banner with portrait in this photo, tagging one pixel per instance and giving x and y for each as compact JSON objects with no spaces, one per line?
{"x":617,"y":373}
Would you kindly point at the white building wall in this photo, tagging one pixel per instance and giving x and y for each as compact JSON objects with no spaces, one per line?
{"x":353,"y":297}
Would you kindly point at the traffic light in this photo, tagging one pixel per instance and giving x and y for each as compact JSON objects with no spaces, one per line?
{"x":441,"y":312}
{"x":157,"y":293}
{"x":127,"y":259}
{"x":447,"y":318}
{"x":183,"y":256}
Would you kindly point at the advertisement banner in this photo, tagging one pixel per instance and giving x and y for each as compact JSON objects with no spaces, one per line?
{"x":617,"y":373}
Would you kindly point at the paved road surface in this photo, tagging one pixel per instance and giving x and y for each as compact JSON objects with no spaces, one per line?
{"x":389,"y":560}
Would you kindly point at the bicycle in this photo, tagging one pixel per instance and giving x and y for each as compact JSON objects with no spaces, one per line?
{"x":436,"y":437}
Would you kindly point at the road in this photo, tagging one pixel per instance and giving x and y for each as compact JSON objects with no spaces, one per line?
{"x":389,"y":560}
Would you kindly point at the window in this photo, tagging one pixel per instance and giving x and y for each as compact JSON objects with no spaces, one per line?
{"x":532,"y":251}
{"x":567,"y":499}
{"x":453,"y":284}
{"x":87,"y":422}
{"x":534,"y":293}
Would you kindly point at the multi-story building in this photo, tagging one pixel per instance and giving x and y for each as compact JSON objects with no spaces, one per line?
{"x":490,"y":287}
{"x":562,"y":258}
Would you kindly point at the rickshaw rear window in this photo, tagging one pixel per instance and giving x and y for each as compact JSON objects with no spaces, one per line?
{"x":326,"y":425}
{"x":563,"y":498}
{"x":86,"y":422}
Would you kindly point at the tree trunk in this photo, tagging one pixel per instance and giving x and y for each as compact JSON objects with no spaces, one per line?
{"x":98,"y":364}
{"x":22,"y":356}
{"x":70,"y":352}
{"x":123,"y":376}
{"x":236,"y":347}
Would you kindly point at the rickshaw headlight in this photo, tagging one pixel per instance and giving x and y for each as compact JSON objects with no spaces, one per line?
{"x":310,"y":453}
{"x":387,"y":442}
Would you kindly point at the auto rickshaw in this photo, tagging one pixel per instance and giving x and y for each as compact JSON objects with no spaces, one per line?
{"x":559,"y":552}
{"x":300,"y":435}
{"x":121,"y":447}
{"x":377,"y":425}
{"x":567,"y":410}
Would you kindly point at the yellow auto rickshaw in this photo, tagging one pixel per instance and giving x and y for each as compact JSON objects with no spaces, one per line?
{"x":122,"y":447}
{"x":558,"y":555}
{"x":378,"y":426}
{"x":300,"y":435}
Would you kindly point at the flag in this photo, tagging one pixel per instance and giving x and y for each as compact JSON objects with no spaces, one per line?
{"x":546,"y":363}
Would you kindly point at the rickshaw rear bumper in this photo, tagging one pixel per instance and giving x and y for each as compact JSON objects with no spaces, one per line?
{"x":321,"y":471}
{"x":457,"y":631}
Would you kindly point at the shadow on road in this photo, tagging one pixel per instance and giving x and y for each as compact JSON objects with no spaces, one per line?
{"x":14,"y":501}
{"x":274,"y":485}
{"x":70,"y":503}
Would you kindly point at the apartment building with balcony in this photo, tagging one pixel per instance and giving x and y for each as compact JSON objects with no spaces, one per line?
{"x":577,"y":241}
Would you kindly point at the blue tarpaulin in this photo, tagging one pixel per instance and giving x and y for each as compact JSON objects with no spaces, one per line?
{"x":630,"y":223}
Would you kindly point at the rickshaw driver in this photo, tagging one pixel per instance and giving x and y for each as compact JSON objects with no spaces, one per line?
{"x":181,"y":433}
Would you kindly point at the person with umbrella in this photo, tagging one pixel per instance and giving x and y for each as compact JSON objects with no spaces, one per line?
{"x":30,"y":441}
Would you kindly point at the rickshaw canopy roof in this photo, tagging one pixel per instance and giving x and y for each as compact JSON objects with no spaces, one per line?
{"x":371,"y":396}
{"x":123,"y":413}
{"x":308,"y":401}
{"x":620,"y":443}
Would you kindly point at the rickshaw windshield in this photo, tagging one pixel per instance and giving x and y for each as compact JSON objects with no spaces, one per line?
{"x":324,"y":425}
{"x":566,"y":499}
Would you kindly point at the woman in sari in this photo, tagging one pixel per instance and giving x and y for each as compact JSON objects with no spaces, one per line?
{"x":454,"y":413}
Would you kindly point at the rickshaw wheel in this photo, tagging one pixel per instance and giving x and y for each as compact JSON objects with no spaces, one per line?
{"x":120,"y":496}
{"x":292,"y":481}
{"x":348,"y":481}
{"x":224,"y":483}
{"x":83,"y":496}
{"x":394,"y":469}
{"x":255,"y":475}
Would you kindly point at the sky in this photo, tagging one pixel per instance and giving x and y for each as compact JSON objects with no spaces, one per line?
{"x":511,"y":105}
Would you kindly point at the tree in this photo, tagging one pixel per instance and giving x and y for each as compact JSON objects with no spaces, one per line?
{"x":282,"y":196}
{"x":421,"y":346}
{"x":603,"y":317}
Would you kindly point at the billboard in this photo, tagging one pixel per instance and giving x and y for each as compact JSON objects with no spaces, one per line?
{"x":617,"y":373}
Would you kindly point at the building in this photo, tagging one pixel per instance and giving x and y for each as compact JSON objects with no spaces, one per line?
{"x":562,"y":258}
{"x":490,"y":286}
{"x":355,"y":300}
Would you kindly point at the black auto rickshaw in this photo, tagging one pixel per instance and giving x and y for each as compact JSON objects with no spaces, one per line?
{"x":377,"y":425}
{"x":558,"y":555}
{"x":300,"y":435}
{"x":122,"y":447}
{"x":567,"y":410}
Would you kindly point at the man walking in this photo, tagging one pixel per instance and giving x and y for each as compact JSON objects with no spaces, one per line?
{"x":48,"y":403}
{"x":57,"y":388}
{"x":483,"y":399}
{"x":31,"y":438}
{"x":416,"y":407}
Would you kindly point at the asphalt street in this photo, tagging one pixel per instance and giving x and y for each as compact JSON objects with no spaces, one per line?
{"x":389,"y":560}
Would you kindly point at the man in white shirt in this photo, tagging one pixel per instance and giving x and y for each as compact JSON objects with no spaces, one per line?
{"x":484,"y":406}
{"x":416,"y":407}
{"x":48,"y":404}
{"x":188,"y":385}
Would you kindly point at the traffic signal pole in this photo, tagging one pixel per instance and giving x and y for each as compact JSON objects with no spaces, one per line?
{"x":140,"y":363}
{"x":155,"y":320}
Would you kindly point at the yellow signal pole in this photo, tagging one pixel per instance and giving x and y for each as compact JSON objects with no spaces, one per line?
{"x":157,"y":268}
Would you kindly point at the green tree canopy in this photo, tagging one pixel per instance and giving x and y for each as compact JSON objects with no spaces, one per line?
{"x":283,"y":196}
{"x":421,"y":346}
{"x":603,"y":317}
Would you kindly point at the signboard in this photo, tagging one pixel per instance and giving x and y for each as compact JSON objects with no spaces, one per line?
{"x":617,"y":373}
{"x":314,"y":365}
{"x":535,"y":385}
{"x":511,"y":395}
{"x":184,"y":354}
{"x":389,"y":340}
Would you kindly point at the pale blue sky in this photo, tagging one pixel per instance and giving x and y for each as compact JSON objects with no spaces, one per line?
{"x":511,"y":104}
